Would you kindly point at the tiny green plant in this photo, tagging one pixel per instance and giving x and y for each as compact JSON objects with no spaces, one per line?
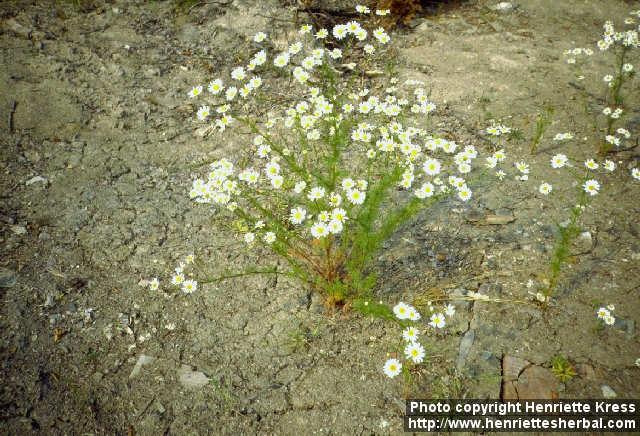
{"x":300,"y":337}
{"x":543,"y":120}
{"x":622,"y":44}
{"x":562,"y":369}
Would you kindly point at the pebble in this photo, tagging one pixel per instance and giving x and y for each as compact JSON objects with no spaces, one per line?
{"x":584,"y":243}
{"x":607,"y":392}
{"x":36,"y":179}
{"x":142,"y":361}
{"x":8,"y":278}
{"x":159,"y":407}
{"x":19,"y":230}
{"x":192,"y":379}
{"x":18,"y":28}
{"x":490,"y":358}
{"x":465,"y":347}
{"x":50,"y":300}
{"x":626,"y":325}
{"x":503,"y":7}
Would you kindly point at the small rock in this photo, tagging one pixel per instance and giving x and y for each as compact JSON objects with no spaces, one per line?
{"x":512,"y":367}
{"x":474,"y":216}
{"x":204,"y":131}
{"x":585,"y":371}
{"x":537,"y":382}
{"x":316,"y":305}
{"x":626,"y":325}
{"x":151,"y":72}
{"x":7,"y":219}
{"x":88,"y":315}
{"x":462,"y":304}
{"x":159,"y":407}
{"x":125,"y":320}
{"x":142,"y":361}
{"x":17,"y":28}
{"x":19,"y":230}
{"x":490,"y":358}
{"x":36,"y":179}
{"x":34,"y":157}
{"x":8,"y":278}
{"x":503,"y":7}
{"x":607,"y":392}
{"x":490,"y":289}
{"x":465,"y":347}
{"x":192,"y":379}
{"x":495,"y":220}
{"x":50,"y":301}
{"x":584,"y":243}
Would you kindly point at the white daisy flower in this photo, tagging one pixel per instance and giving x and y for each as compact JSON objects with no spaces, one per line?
{"x":545,"y":188}
{"x":335,"y":226}
{"x":414,"y":351}
{"x":319,"y":230}
{"x":189,"y":286}
{"x":195,"y":91}
{"x":305,"y":28}
{"x":431,"y":167}
{"x":177,"y":279}
{"x":203,"y":113}
{"x":410,"y":334}
{"x":316,"y":193}
{"x":249,"y":237}
{"x":238,"y":73}
{"x":281,"y":60}
{"x":401,"y":310}
{"x":558,"y":161}
{"x":355,"y":196}
{"x":392,"y":368}
{"x":414,"y":315}
{"x":154,"y":284}
{"x":269,"y":237}
{"x":426,"y":190}
{"x":591,"y":164}
{"x":591,"y":187}
{"x":464,"y":193}
{"x":450,"y":310}
{"x":437,"y":320}
{"x":215,"y":86}
{"x":297,"y":215}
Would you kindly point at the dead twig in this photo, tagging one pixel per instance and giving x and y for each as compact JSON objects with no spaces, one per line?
{"x":12,"y":111}
{"x":221,"y":3}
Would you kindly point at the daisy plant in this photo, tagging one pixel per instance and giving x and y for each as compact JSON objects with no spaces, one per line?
{"x":623,"y":45}
{"x":409,"y":349}
{"x":337,"y":158}
{"x":588,"y":175}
